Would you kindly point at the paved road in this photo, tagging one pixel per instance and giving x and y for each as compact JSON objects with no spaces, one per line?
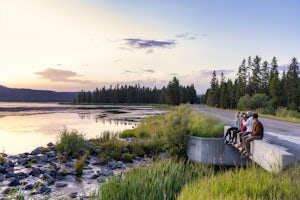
{"x":286,"y":135}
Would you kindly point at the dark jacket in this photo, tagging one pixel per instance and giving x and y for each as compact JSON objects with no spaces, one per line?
{"x":258,"y":128}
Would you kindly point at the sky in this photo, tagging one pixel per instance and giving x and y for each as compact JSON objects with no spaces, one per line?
{"x":71,"y":45}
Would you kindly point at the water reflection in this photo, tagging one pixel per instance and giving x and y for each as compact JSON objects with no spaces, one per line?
{"x":22,"y":132}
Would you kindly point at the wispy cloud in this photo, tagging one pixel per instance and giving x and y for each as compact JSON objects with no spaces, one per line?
{"x":58,"y":75}
{"x":149,"y":45}
{"x":139,"y":72}
{"x":190,"y":36}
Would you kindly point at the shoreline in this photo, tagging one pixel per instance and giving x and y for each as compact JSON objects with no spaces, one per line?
{"x":46,"y":173}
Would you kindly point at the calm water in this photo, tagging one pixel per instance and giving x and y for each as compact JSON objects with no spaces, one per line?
{"x":25,"y":126}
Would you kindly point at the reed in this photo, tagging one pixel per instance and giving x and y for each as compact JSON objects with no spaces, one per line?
{"x":249,"y":183}
{"x":160,"y":180}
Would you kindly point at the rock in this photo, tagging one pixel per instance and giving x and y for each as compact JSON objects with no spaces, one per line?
{"x":51,"y":154}
{"x":107,"y":172}
{"x":28,"y":187}
{"x":73,"y":195}
{"x":60,"y":185}
{"x":10,"y":175}
{"x":37,"y":151}
{"x":22,"y":161}
{"x":97,"y":151}
{"x":21,"y":175}
{"x":94,"y":176}
{"x":35,"y":172}
{"x":50,"y":180}
{"x":44,"y":190}
{"x":50,"y":145}
{"x":101,"y":179}
{"x":9,"y":164}
{"x":6,"y":190}
{"x":1,"y":177}
{"x":14,"y":182}
{"x":2,"y":169}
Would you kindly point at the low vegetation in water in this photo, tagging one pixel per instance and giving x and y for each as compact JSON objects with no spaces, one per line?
{"x":249,"y":183}
{"x":160,"y":180}
{"x":71,"y":142}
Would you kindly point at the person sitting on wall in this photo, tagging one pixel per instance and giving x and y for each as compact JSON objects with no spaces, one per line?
{"x":249,"y":124}
{"x":256,"y":134}
{"x":241,"y":129}
{"x":236,"y":126}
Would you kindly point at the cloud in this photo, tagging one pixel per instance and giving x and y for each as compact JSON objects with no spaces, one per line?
{"x":58,"y":75}
{"x":148,"y":70}
{"x":149,"y":45}
{"x":140,"y":72}
{"x":190,"y":36}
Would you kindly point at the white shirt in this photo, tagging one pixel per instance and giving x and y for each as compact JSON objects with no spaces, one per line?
{"x":249,"y":124}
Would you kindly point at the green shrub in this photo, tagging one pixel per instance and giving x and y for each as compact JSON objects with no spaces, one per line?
{"x":244,"y":102}
{"x":112,"y":149}
{"x":127,"y":157}
{"x":176,"y":131}
{"x":202,"y":125}
{"x":72,"y":142}
{"x":79,"y":164}
{"x":160,"y":180}
{"x":136,"y":148}
{"x":284,"y":112}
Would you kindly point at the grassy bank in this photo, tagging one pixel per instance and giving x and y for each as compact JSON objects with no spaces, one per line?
{"x":250,"y":183}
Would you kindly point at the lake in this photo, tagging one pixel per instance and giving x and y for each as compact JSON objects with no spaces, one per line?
{"x":25,"y":126}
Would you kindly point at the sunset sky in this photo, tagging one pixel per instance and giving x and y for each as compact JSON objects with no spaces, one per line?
{"x":69,"y":45}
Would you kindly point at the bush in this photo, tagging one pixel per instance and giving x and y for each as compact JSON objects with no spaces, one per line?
{"x":176,"y":131}
{"x":127,"y":157}
{"x":284,"y":112}
{"x":111,"y":149}
{"x":244,"y":102}
{"x":202,"y":125}
{"x":72,"y":142}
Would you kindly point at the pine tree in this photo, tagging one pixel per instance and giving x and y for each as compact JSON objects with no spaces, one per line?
{"x":255,"y":80}
{"x":265,"y":79}
{"x":241,"y":80}
{"x":213,"y":95}
{"x":293,"y":91}
{"x":223,"y":92}
{"x":173,"y":92}
{"x":274,"y":84}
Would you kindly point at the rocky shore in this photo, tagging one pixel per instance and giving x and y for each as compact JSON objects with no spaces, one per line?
{"x":47,"y":174}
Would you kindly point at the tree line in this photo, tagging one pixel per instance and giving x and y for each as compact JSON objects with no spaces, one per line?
{"x":173,"y":94}
{"x":258,"y":84}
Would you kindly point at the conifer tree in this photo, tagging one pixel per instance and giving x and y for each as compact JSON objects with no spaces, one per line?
{"x":293,"y":91}
{"x":274,"y":84}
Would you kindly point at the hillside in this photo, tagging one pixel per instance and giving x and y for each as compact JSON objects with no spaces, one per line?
{"x":29,"y":95}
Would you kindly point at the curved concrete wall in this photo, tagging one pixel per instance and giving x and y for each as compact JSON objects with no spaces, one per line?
{"x":213,"y":151}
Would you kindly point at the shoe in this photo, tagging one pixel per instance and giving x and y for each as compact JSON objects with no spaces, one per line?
{"x":239,"y":146}
{"x":241,"y":150}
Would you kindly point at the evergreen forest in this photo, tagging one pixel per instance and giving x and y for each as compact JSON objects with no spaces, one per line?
{"x":173,"y":94}
{"x":258,"y":85}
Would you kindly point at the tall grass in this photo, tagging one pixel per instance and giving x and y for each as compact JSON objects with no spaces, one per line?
{"x":160,"y":180}
{"x":71,"y":142}
{"x":250,"y":183}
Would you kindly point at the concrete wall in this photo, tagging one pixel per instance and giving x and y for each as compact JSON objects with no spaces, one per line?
{"x":213,"y":151}
{"x":270,"y":157}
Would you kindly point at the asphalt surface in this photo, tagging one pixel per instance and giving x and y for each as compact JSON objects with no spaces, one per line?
{"x":285,"y":135}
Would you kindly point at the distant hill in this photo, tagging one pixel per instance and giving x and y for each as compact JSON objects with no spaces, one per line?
{"x":29,"y":95}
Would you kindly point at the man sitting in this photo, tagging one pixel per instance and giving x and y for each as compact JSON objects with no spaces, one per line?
{"x":257,"y":133}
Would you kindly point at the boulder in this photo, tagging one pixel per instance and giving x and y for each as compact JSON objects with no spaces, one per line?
{"x":37,"y":151}
{"x":50,"y":145}
{"x":107,"y":172}
{"x":14,"y":182}
{"x":44,"y":190}
{"x":60,"y":185}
